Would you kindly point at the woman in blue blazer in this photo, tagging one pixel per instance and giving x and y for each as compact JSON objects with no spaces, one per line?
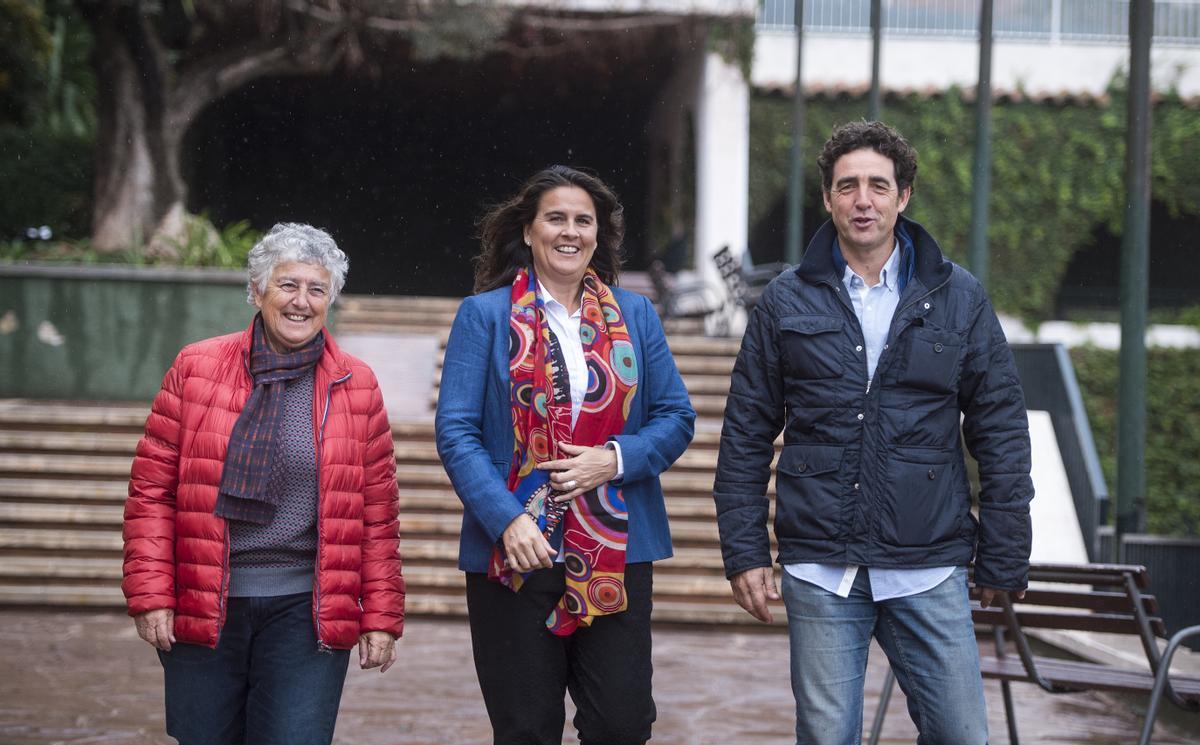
{"x":560,"y":407}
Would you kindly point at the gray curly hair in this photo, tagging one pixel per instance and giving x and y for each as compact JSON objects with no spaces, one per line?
{"x":290,"y":241}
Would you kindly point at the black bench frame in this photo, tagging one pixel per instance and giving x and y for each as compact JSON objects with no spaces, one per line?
{"x":1106,"y":598}
{"x":744,"y":280}
{"x":673,"y":297}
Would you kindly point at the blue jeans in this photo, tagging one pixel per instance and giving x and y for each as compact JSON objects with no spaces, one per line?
{"x":265,"y":683}
{"x":928,"y":638}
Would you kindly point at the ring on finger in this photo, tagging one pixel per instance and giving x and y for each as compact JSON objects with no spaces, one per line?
{"x":569,"y":485}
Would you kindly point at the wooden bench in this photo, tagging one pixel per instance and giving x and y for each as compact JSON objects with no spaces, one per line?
{"x":1101,"y":598}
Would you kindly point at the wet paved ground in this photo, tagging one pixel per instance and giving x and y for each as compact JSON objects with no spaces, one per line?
{"x":86,"y":678}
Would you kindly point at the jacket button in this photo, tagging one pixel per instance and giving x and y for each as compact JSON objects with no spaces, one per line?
{"x":938,"y":347}
{"x":860,"y":416}
{"x":926,"y":306}
{"x":803,"y":467}
{"x":856,"y":486}
{"x":858,"y":348}
{"x":932,"y":475}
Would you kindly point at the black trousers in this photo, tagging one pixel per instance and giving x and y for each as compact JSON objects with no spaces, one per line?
{"x":524,"y":670}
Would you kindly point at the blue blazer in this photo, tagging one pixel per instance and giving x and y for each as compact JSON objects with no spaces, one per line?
{"x":475,"y":438}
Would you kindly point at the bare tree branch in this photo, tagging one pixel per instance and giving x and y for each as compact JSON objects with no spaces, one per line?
{"x":208,"y":82}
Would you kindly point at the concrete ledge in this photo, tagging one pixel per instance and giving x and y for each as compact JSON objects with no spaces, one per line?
{"x":201,"y":275}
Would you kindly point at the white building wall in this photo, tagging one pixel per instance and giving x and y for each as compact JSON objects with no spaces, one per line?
{"x":1037,"y":67}
{"x":722,"y":164}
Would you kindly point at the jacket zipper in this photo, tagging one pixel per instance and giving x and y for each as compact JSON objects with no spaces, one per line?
{"x":846,"y":303}
{"x":321,"y":645}
{"x":224,"y":583}
{"x":221,"y":608}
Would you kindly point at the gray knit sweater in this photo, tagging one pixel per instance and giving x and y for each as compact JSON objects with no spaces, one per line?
{"x":279,"y":558}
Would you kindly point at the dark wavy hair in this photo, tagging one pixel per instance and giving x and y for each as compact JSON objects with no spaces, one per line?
{"x":501,"y":231}
{"x":874,"y":135}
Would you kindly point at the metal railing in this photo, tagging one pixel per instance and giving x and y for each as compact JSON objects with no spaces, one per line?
{"x":1171,"y":563}
{"x":1175,"y":21}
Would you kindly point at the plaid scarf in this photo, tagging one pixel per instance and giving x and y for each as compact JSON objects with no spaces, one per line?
{"x":595,"y":525}
{"x":244,"y":494}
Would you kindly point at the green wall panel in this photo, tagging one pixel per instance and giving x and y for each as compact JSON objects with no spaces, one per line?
{"x":107,"y":333}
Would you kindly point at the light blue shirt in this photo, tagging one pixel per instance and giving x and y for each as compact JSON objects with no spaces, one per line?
{"x":874,"y":307}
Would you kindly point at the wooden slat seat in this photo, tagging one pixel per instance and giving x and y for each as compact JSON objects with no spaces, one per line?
{"x":1104,"y":623}
{"x":1084,"y":676}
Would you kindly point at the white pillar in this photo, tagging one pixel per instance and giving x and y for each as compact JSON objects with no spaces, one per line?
{"x":722,"y":164}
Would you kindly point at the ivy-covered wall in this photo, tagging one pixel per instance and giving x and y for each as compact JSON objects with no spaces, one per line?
{"x":1057,"y":176}
{"x":1172,"y":433}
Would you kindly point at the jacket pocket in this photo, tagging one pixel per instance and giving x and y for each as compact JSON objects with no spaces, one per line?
{"x":923,"y":505}
{"x":931,"y":360}
{"x":808,"y":492}
{"x":813,"y":345}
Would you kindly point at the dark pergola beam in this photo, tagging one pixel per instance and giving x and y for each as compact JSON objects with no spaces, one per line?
{"x":1135,"y":261}
{"x":981,"y":176}
{"x":874,"y":105}
{"x":795,"y":205}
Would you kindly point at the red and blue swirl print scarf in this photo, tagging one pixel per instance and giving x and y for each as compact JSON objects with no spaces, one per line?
{"x":595,"y":525}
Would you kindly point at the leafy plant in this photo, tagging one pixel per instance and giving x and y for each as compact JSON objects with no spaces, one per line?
{"x":1057,"y":176}
{"x":47,"y":180}
{"x":203,"y":245}
{"x":1172,"y":441}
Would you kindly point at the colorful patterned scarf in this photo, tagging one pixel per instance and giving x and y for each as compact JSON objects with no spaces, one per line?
{"x":595,"y":524}
{"x":244,"y":494}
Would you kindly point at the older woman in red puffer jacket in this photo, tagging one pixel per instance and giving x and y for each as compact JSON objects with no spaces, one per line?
{"x":261,"y":540}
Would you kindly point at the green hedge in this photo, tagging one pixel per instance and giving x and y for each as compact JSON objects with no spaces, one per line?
{"x":47,"y":180}
{"x":1172,"y":436}
{"x":1057,"y":176}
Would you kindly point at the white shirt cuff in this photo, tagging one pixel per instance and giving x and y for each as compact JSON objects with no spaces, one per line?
{"x":616,"y":447}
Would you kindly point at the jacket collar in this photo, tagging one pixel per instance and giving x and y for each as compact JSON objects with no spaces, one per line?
{"x":920,"y":256}
{"x":332,"y":363}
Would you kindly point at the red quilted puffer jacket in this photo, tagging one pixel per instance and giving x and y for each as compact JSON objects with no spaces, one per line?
{"x":177,"y":550}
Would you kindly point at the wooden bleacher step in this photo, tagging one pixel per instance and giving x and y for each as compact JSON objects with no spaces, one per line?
{"x":64,"y":468}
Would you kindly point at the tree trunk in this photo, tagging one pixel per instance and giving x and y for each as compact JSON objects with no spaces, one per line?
{"x":137,"y":165}
{"x":146,"y":106}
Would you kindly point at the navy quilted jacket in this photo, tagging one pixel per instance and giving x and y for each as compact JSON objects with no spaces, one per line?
{"x":873,"y":473}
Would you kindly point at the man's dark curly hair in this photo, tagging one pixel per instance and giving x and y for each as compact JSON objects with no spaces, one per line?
{"x":874,"y":135}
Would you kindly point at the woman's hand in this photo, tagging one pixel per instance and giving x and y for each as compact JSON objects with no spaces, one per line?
{"x":586,"y":469}
{"x":376,"y":648}
{"x":525,"y":546}
{"x":157,"y":628}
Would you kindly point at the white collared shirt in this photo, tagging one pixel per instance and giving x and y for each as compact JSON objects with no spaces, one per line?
{"x":874,"y":307}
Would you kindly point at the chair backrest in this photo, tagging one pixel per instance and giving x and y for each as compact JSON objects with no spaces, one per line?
{"x":1104,"y":598}
{"x":731,"y":273}
{"x":662,"y":289}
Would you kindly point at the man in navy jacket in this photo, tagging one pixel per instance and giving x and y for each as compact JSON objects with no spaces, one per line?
{"x":867,"y":356}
